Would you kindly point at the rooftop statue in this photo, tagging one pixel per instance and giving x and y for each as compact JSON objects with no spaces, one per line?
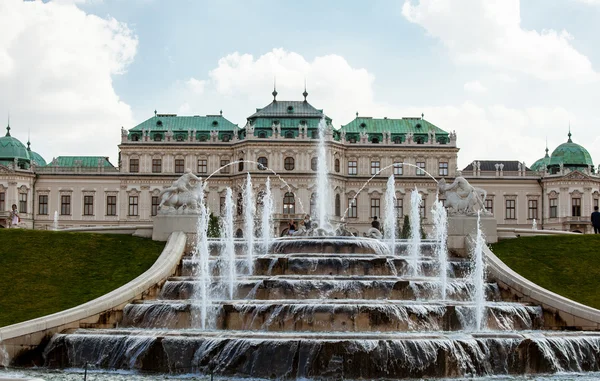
{"x":462,"y":198}
{"x":183,"y":193}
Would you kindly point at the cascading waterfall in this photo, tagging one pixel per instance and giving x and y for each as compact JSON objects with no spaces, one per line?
{"x":389,"y":225}
{"x":249,"y":212}
{"x":414,"y":244}
{"x":478,"y":277}
{"x":440,"y":231}
{"x":267,"y":217}
{"x":227,"y":257}
{"x":201,"y":272}
{"x":323,"y":201}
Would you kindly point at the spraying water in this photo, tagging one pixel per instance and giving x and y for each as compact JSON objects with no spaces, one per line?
{"x":201,"y":295}
{"x":478,"y":277}
{"x":323,"y":201}
{"x":534,"y":225}
{"x":389,"y":226}
{"x":414,"y":244}
{"x":440,"y":231}
{"x":55,"y":222}
{"x":229,"y":273}
{"x":267,"y":217}
{"x":249,"y":211}
{"x":3,"y":357}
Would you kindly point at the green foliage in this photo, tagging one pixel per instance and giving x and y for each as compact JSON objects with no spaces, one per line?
{"x":43,"y":272}
{"x":405,"y":233}
{"x":214,"y":227}
{"x":568,"y":265}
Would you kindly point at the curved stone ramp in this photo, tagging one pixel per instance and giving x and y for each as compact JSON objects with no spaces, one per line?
{"x":25,"y":337}
{"x":565,"y":313}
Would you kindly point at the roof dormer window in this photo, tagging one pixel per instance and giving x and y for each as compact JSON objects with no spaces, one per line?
{"x":290,"y":109}
{"x":215,"y":123}
{"x":363,"y":125}
{"x":159,"y":123}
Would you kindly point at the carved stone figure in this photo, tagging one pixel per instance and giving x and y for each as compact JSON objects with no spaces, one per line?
{"x":183,"y":192}
{"x":462,"y":198}
{"x":342,"y":231}
{"x":373,"y":233}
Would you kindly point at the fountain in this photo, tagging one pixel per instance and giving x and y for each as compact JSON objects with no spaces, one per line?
{"x":249,"y":211}
{"x":414,"y":247}
{"x":534,"y":224}
{"x":55,"y":222}
{"x":267,"y":217}
{"x":228,"y":260}
{"x":478,"y":277}
{"x":440,"y":232}
{"x":323,"y":200}
{"x":389,"y":226}
{"x":200,"y":268}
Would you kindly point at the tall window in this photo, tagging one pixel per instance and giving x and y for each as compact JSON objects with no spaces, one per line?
{"x":510,"y":209}
{"x":133,"y":205}
{"x":134,"y":165}
{"x":420,"y":168}
{"x":111,"y":205}
{"x":2,"y":201}
{"x":313,"y":163}
{"x":313,"y":203}
{"x":179,"y":165}
{"x":156,"y":165}
{"x":532,"y":209}
{"x":375,"y":211}
{"x":222,"y":206}
{"x":352,"y":168}
{"x":289,"y":163}
{"x":399,"y":207}
{"x":423,"y":210}
{"x":443,"y":168}
{"x":263,"y":163}
{"x":289,"y":203}
{"x":240,"y":204}
{"x":375,"y":166}
{"x":225,"y":168}
{"x":398,"y":169}
{"x":336,"y":165}
{"x":576,"y":207}
{"x":595,"y":202}
{"x":338,"y":206}
{"x":202,"y":166}
{"x":155,"y":203}
{"x":553,"y":207}
{"x":43,"y":204}
{"x":23,"y":202}
{"x":352,"y":213}
{"x":241,"y":164}
{"x":489,"y":205}
{"x":65,"y":205}
{"x":88,"y":205}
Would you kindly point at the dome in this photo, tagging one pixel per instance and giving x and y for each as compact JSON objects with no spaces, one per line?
{"x":35,"y":157}
{"x":11,"y":148}
{"x":571,"y":155}
{"x":541,"y":164}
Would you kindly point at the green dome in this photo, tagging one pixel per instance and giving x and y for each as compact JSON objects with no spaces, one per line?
{"x":11,"y":148}
{"x":36,"y":157}
{"x":571,"y":155}
{"x":541,"y":164}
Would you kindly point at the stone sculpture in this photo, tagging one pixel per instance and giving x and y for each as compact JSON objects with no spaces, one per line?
{"x":462,"y":198}
{"x":373,"y":233}
{"x":183,"y":193}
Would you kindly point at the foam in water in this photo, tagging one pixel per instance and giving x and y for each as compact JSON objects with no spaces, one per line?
{"x":414,"y":244}
{"x":249,"y":212}
{"x":389,"y":226}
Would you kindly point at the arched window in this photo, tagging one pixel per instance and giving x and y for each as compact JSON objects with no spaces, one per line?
{"x":240,"y":204}
{"x":289,"y":203}
{"x":397,"y":140}
{"x":337,"y":165}
{"x":262,"y":134}
{"x":375,"y":141}
{"x":260,"y":199}
{"x":288,"y":163}
{"x":263,"y":163}
{"x":313,"y":204}
{"x":338,"y":205}
{"x":419,"y":140}
{"x":241,"y":164}
{"x":135,"y":137}
{"x":289,"y":134}
{"x":313,"y":163}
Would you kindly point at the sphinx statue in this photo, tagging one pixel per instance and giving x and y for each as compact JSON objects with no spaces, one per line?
{"x":183,"y":193}
{"x":462,"y":198}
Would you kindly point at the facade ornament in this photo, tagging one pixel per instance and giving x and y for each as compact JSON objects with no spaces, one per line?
{"x":182,"y":194}
{"x":123,"y":132}
{"x":462,"y":198}
{"x":214,"y":135}
{"x":343,"y":136}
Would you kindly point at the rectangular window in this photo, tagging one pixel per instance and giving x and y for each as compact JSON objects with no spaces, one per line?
{"x":375,"y":166}
{"x":423,"y":210}
{"x":2,"y":201}
{"x":375,"y":211}
{"x":134,"y":165}
{"x":43,"y":204}
{"x":155,"y":203}
{"x":398,"y":169}
{"x":399,"y":208}
{"x":65,"y":205}
{"x":576,"y":207}
{"x":156,"y":165}
{"x":489,"y":206}
{"x":111,"y":205}
{"x":202,"y":166}
{"x":223,"y":163}
{"x":222,"y":205}
{"x":88,"y":205}
{"x":532,"y":209}
{"x":352,"y":168}
{"x":443,"y":168}
{"x":133,"y":205}
{"x":420,"y":168}
{"x":179,"y":165}
{"x":23,"y":202}
{"x":352,"y":213}
{"x":510,"y":209}
{"x":553,"y":207}
{"x":595,"y":202}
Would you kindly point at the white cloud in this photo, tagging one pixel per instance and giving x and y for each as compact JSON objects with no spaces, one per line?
{"x":56,"y":68}
{"x":489,"y":33}
{"x":590,"y":2}
{"x":475,"y":87}
{"x":195,"y":85}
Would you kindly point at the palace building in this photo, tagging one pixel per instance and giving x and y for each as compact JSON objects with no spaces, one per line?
{"x":558,"y":191}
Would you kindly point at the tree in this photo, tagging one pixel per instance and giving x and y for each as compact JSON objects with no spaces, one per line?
{"x":214,"y":228}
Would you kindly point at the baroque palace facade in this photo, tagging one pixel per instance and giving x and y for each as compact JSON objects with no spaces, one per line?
{"x":558,"y":191}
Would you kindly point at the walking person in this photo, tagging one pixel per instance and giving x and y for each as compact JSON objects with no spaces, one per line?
{"x":596,"y":220}
{"x":14,"y":217}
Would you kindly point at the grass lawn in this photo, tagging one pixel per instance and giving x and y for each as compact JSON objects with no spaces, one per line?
{"x":42,"y":272}
{"x":568,"y":265}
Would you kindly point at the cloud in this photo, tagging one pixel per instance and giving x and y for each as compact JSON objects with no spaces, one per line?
{"x":475,"y":87}
{"x":195,"y":85}
{"x":56,"y":69}
{"x":489,"y":33}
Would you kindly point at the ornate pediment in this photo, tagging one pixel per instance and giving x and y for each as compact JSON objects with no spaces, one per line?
{"x":576,"y":175}
{"x":5,"y":169}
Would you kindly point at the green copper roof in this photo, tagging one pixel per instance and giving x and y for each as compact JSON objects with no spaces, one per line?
{"x":571,"y":155}
{"x":287,"y":109}
{"x":395,"y":126}
{"x":82,"y":161}
{"x":542,"y":163}
{"x":35,"y":157}
{"x":11,"y":148}
{"x":286,"y":122}
{"x":165,"y":122}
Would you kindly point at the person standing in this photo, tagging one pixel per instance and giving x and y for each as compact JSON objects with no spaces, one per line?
{"x":307,"y":222}
{"x":14,"y":217}
{"x":596,"y":220}
{"x":375,"y":223}
{"x":292,"y":228}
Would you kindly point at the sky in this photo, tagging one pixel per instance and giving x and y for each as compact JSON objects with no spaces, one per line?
{"x":506,"y":75}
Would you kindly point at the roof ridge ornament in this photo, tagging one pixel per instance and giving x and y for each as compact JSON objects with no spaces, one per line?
{"x":274,"y":93}
{"x":569,"y":134}
{"x":546,"y":147}
{"x":8,"y":126}
{"x":305,"y":94}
